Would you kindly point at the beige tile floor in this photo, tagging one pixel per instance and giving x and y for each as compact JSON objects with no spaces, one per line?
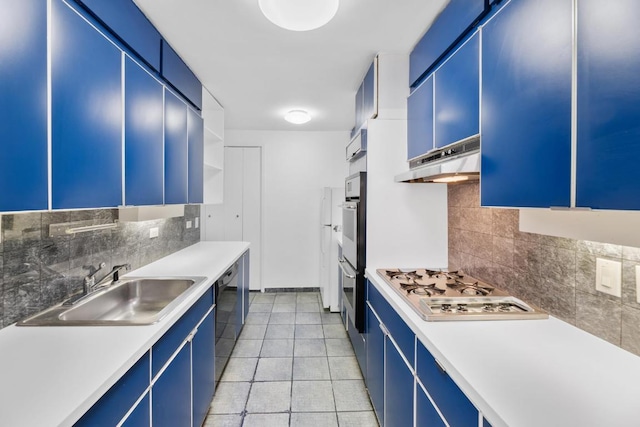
{"x":293,"y":365}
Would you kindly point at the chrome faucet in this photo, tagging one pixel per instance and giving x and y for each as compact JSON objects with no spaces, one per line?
{"x":90,"y":285}
{"x":113,"y":275}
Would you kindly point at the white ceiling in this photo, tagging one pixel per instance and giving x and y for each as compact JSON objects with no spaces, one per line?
{"x":259,"y":71}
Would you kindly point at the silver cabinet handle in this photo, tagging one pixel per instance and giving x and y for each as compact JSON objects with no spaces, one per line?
{"x":440,"y":367}
{"x":384,"y":330}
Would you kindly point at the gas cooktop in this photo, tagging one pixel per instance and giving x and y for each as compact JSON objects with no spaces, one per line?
{"x":453,"y":295}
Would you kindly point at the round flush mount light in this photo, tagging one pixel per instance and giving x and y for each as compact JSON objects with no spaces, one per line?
{"x":299,"y":15}
{"x":297,"y":117}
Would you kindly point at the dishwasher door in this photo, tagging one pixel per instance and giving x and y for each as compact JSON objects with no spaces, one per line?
{"x":226,"y":289}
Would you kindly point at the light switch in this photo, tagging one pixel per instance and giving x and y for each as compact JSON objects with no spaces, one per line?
{"x":609,"y":277}
{"x":638,"y":283}
{"x":153,"y":232}
{"x":188,"y":224}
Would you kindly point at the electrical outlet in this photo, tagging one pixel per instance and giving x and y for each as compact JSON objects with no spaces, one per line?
{"x":188,"y":224}
{"x":609,"y":277}
{"x":638,"y":283}
{"x":154,"y":232}
{"x":197,"y":222}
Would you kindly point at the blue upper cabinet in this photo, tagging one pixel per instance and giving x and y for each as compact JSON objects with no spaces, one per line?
{"x":448,"y":28}
{"x":369,"y":90}
{"x":130,"y":26}
{"x":180,"y":76}
{"x":420,"y":120}
{"x":360,"y":107}
{"x":144,"y":128}
{"x":608,"y":108}
{"x":176,"y":160}
{"x":23,"y":105}
{"x":526,"y":105}
{"x":457,"y":95}
{"x":196,"y":153}
{"x":86,"y":87}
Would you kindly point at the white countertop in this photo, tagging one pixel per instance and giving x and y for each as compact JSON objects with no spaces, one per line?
{"x":51,"y":376}
{"x":524,"y":373}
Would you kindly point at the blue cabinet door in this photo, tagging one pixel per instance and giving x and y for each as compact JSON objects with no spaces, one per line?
{"x":452,"y":23}
{"x":374,"y":339}
{"x":426,"y":414}
{"x":120,"y":398}
{"x":195,"y":137}
{"x":456,"y":408}
{"x":180,"y":76}
{"x":608,"y":108}
{"x":86,"y":86}
{"x":398,"y":386}
{"x":141,"y":416}
{"x":176,"y":161}
{"x":246,"y":283}
{"x":420,"y":120}
{"x":143,"y":136}
{"x":369,"y":93}
{"x":23,"y":105}
{"x":171,"y":393}
{"x":401,"y":333}
{"x":129,"y":25}
{"x":457,"y":95}
{"x":203,"y":368}
{"x":526,"y":105}
{"x":360,"y":107}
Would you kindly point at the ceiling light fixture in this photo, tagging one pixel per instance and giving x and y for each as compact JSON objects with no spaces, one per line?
{"x":455,"y":178}
{"x":299,"y":15}
{"x":297,"y":117}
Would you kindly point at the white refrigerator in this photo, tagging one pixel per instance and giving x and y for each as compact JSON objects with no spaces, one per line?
{"x":331,"y":231}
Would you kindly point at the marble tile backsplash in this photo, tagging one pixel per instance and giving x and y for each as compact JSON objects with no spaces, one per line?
{"x":557,"y":274}
{"x":38,"y":271}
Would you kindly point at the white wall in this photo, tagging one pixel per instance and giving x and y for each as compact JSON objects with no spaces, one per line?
{"x":296,"y":165}
{"x":406,"y":223}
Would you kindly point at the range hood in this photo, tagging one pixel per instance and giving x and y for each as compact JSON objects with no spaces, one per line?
{"x":454,"y":163}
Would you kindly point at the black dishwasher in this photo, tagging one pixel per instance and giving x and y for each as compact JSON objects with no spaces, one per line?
{"x":226,"y":289}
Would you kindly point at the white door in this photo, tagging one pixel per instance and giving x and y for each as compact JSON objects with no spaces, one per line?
{"x":243,"y":203}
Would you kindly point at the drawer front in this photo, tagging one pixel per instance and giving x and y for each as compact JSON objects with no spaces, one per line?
{"x":116,"y":402}
{"x":169,"y":343}
{"x":398,"y":329}
{"x":426,"y":414}
{"x":456,"y":408}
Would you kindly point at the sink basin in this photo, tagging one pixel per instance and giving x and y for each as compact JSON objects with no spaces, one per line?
{"x":133,"y":301}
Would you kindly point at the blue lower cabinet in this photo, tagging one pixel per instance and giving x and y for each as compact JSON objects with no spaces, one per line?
{"x":120,"y":398}
{"x":176,"y":159}
{"x":420,"y":120}
{"x":141,"y":415}
{"x":173,"y":338}
{"x":23,"y":104}
{"x":246,"y":283}
{"x":374,"y":376}
{"x":86,"y":114}
{"x":456,"y":408}
{"x":398,"y":386}
{"x":398,"y":329}
{"x":144,"y":130}
{"x":171,"y":393}
{"x":203,"y":368}
{"x":426,"y":414}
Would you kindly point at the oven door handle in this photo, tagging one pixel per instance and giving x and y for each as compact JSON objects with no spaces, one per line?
{"x":345,"y":267}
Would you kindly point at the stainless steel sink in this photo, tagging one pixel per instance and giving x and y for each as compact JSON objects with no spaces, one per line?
{"x":133,"y":301}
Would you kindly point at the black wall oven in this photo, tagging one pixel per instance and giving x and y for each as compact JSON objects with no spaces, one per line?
{"x":354,"y":248}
